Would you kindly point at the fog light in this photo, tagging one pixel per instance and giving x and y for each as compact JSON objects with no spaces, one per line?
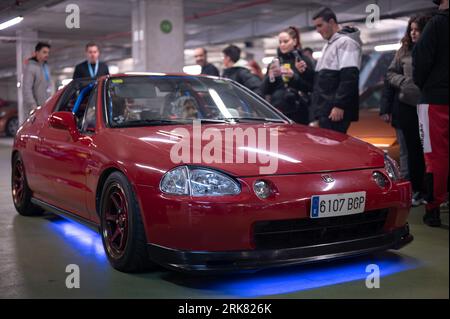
{"x":262,"y":189}
{"x":380,"y":179}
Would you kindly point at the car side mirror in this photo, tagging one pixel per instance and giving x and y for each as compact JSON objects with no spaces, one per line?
{"x":65,"y":121}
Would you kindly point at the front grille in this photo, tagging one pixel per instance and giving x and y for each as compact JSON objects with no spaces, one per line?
{"x":291,"y":233}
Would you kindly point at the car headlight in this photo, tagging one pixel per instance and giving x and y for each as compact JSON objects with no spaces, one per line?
{"x":391,"y":168}
{"x":176,"y":181}
{"x":198,"y":182}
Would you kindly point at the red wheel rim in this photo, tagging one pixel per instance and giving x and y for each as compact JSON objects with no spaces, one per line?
{"x":18,"y":183}
{"x":115,"y":220}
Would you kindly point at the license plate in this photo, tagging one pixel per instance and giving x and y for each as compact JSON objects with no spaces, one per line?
{"x":337,"y":204}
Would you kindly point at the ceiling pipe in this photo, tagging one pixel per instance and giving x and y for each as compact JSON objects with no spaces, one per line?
{"x":226,"y":9}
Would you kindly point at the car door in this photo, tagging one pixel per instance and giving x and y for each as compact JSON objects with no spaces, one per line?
{"x":64,"y":162}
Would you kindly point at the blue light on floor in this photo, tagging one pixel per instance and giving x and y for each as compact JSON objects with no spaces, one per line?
{"x":85,"y":240}
{"x":265,"y":283}
{"x":294,"y":279}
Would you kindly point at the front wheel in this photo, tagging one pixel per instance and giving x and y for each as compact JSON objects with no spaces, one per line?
{"x":121,"y":226}
{"x":21,"y":193}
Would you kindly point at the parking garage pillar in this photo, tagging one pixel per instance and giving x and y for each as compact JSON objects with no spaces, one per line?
{"x":25,"y":43}
{"x":158,"y":35}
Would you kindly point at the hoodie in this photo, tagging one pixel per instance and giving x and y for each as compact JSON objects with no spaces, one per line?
{"x":430,"y":60}
{"x":36,"y":88}
{"x":336,"y":81}
{"x":244,"y":77}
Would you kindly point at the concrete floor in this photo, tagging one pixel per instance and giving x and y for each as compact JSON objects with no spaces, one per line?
{"x":34,"y":253}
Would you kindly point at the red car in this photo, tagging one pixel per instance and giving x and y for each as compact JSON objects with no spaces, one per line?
{"x":118,"y":154}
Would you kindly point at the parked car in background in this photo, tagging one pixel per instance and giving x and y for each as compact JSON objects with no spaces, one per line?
{"x":9,"y":121}
{"x":370,"y":127}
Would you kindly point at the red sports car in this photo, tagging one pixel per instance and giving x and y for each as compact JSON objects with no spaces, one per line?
{"x":200,"y":174}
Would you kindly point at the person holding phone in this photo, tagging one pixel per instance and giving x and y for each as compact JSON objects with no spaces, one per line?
{"x":285,"y":85}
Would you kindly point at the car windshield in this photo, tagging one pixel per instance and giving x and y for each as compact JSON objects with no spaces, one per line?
{"x":164,"y":100}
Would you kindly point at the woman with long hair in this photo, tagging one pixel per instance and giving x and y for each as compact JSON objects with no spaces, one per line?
{"x":400,"y":76}
{"x":286,"y":86}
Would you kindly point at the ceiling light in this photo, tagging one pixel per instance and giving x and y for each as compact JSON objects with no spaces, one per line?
{"x":388,"y":47}
{"x":10,"y":22}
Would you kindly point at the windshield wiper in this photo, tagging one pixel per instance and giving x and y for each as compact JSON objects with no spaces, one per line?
{"x":256,"y":119}
{"x":149,"y":122}
{"x":211,"y":120}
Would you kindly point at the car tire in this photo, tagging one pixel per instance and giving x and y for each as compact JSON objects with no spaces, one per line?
{"x":21,"y":193}
{"x":12,"y":126}
{"x":121,"y":226}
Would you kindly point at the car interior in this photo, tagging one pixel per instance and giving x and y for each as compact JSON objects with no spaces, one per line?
{"x":76,"y":99}
{"x":135,"y":101}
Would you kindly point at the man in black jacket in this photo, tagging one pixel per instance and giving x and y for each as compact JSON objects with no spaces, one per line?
{"x":201,"y":58}
{"x":231,"y":55}
{"x":92,"y":67}
{"x":430,"y":72}
{"x":335,"y":99}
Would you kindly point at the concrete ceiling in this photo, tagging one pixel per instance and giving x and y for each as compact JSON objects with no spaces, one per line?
{"x":206,"y":22}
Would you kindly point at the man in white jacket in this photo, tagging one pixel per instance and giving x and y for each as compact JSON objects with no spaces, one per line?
{"x":336,"y":88}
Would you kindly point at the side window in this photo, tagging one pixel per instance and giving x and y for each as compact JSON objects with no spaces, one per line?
{"x":70,"y":96}
{"x":68,"y":100}
{"x":89,"y":119}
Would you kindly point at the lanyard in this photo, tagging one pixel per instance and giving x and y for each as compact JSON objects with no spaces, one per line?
{"x":46,"y":73}
{"x":91,"y":72}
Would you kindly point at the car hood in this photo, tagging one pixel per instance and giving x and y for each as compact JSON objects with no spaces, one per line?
{"x":290,"y":149}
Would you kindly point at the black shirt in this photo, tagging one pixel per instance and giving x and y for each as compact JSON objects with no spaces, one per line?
{"x":82,"y":70}
{"x":430,"y":60}
{"x":210,"y":69}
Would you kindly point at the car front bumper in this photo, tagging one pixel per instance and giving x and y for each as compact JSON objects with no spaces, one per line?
{"x":246,"y":223}
{"x":230,"y":261}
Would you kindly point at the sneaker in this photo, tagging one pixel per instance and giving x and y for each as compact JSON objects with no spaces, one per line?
{"x":418,"y":199}
{"x":432,"y":217}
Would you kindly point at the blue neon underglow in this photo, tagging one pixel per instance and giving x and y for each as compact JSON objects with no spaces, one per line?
{"x":299,"y":278}
{"x":265,"y":283}
{"x":85,"y":240}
